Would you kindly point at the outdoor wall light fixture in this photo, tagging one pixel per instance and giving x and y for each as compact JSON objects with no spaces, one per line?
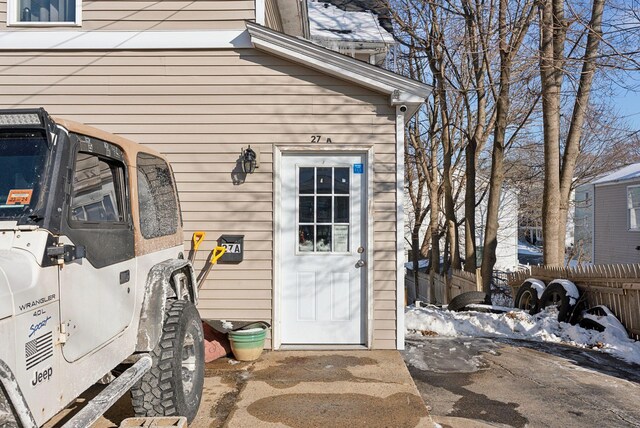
{"x":249,"y":160}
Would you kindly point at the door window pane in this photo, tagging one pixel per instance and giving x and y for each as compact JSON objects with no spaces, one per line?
{"x":305,"y":238}
{"x":341,"y":214}
{"x":324,"y":239}
{"x":323,"y":214}
{"x":341,"y":238}
{"x":324,"y":180}
{"x":341,"y":181}
{"x":306,"y":184}
{"x":306,"y":209}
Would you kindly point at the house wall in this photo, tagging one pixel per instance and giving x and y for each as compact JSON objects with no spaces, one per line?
{"x":613,"y":242}
{"x":113,"y":15}
{"x":201,"y":108}
{"x":583,"y":222}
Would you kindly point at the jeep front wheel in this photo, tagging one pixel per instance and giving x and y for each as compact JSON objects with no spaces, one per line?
{"x":173,"y":386}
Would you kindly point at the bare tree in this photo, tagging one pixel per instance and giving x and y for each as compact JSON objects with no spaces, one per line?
{"x":511,"y":35}
{"x":559,"y":174}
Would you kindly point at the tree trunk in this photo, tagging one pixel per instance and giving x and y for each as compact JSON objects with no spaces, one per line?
{"x":470,"y":264}
{"x":572,"y":145}
{"x":551,"y":86}
{"x":415,"y":255}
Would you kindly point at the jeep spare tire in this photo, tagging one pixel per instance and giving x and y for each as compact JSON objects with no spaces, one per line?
{"x":459,"y":302}
{"x":173,"y":386}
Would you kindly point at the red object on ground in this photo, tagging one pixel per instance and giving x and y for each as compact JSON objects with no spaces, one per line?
{"x":216,"y":344}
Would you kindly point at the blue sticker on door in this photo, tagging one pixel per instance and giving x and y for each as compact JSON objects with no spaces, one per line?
{"x":358,"y":168}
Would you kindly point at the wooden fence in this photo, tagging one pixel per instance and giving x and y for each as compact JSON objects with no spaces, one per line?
{"x":615,"y":286}
{"x":446,"y":288}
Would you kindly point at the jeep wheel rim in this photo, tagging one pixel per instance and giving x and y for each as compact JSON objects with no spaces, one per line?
{"x":188,"y":362}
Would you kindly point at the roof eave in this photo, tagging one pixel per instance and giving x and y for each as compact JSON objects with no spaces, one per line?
{"x":401,"y":90}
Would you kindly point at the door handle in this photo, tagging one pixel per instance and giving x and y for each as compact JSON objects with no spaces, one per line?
{"x":360,"y":263}
{"x":125,"y":276}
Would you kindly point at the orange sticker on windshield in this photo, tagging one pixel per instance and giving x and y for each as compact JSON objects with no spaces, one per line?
{"x":19,"y":196}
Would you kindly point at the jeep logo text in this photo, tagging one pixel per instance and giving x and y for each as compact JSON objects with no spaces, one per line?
{"x":41,"y":376}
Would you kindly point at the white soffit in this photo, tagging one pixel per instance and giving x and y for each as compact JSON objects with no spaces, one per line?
{"x":401,"y":90}
{"x":105,"y":40}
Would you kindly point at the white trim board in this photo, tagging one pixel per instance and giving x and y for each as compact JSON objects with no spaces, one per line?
{"x":400,"y":121}
{"x":105,"y":40}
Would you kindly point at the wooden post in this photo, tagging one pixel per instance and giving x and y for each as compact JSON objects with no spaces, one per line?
{"x":479,"y":279}
{"x":447,"y":288}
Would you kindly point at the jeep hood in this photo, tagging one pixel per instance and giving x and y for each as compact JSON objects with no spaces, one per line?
{"x":6,"y":297}
{"x":15,"y":275}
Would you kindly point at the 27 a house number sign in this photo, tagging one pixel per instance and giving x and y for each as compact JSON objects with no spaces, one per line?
{"x":318,"y":139}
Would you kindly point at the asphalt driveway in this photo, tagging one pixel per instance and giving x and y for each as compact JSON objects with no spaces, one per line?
{"x":474,"y":382}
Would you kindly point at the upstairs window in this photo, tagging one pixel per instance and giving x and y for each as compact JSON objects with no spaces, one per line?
{"x":47,"y":12}
{"x":633,"y":205}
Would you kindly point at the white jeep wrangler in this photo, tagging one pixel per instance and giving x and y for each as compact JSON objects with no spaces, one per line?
{"x":92,"y":275}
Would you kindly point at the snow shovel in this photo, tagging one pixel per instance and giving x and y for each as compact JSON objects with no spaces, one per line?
{"x":196,"y":240}
{"x":215,"y":255}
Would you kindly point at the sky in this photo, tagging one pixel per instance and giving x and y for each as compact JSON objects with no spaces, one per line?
{"x":629,"y":105}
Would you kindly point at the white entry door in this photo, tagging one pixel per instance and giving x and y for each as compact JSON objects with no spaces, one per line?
{"x":322,"y":249}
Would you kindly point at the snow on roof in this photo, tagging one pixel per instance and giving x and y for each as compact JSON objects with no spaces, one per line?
{"x":328,"y":22}
{"x":629,"y":172}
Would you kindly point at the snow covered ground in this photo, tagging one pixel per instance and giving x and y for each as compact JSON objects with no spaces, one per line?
{"x":542,"y":327}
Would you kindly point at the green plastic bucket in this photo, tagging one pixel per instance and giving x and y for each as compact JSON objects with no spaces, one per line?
{"x":247,"y":344}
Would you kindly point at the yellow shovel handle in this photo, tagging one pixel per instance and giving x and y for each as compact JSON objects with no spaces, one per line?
{"x":217,"y":253}
{"x":197,"y":239}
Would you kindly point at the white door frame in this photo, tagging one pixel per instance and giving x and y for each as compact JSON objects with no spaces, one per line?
{"x":367,"y":150}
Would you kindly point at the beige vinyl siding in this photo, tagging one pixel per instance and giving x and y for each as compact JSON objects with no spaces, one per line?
{"x":200,"y":108}
{"x":273,"y":19}
{"x":159,"y":15}
{"x":613,"y":242}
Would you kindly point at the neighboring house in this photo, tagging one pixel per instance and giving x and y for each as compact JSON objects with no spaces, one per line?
{"x":201,"y":82}
{"x":351,"y":28}
{"x":507,"y":250}
{"x":607,"y":217}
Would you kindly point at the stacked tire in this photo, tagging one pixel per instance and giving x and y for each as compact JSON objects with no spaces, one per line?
{"x":534,"y":296}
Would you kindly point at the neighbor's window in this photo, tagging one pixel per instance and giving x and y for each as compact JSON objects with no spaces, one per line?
{"x":633,"y":204}
{"x":156,"y":197}
{"x":44,"y":11}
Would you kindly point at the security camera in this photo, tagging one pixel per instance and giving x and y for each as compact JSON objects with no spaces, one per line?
{"x":403,"y":108}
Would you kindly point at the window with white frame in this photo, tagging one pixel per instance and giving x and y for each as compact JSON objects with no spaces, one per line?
{"x":633,"y":205}
{"x":51,"y":12}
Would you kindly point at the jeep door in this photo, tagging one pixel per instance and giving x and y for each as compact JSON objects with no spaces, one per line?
{"x":97,"y":296}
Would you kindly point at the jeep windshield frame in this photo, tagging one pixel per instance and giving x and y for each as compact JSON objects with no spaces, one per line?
{"x":27,"y":152}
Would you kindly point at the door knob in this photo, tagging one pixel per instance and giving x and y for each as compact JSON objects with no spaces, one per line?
{"x":360,"y":263}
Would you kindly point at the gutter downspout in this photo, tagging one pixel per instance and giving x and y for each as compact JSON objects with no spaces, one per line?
{"x":400,"y":294}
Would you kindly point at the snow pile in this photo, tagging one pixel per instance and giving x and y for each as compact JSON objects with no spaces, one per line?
{"x":328,"y":22}
{"x":543,"y":327}
{"x":526,"y":248}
